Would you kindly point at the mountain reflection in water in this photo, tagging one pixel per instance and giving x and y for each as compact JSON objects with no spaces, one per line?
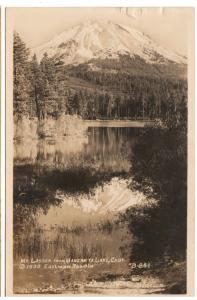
{"x":70,"y":185}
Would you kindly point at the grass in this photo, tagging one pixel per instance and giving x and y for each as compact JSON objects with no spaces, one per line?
{"x":103,"y":239}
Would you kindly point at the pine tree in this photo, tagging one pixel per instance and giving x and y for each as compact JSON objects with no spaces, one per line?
{"x":21,"y":83}
{"x":37,"y":89}
{"x":49,"y":84}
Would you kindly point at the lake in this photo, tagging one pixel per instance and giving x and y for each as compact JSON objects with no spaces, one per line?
{"x":68,"y":194}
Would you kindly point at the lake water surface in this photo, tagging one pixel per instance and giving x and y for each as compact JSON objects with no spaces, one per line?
{"x":68,"y":193}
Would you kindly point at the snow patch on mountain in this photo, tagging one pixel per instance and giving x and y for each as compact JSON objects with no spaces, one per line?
{"x":101,"y":39}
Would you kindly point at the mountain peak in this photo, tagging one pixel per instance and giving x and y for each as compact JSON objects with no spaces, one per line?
{"x":105,"y":39}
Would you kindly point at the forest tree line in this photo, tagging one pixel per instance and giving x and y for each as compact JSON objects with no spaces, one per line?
{"x":41,"y":90}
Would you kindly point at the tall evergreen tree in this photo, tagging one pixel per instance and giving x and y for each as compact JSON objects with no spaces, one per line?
{"x":21,"y":82}
{"x":49,"y":84}
{"x":37,"y":89}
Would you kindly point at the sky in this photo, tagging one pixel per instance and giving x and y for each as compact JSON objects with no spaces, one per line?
{"x":170,"y":27}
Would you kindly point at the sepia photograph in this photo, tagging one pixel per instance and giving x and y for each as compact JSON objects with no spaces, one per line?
{"x":97,"y":123}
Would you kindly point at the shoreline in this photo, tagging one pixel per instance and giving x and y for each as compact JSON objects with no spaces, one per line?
{"x":119,"y":123}
{"x":71,"y":125}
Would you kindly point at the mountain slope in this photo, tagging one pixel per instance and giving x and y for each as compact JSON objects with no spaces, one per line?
{"x":101,"y":40}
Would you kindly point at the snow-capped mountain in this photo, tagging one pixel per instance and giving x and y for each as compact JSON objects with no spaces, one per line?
{"x":105,"y":39}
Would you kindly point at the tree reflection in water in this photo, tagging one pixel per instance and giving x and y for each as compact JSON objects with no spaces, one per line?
{"x":71,"y":165}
